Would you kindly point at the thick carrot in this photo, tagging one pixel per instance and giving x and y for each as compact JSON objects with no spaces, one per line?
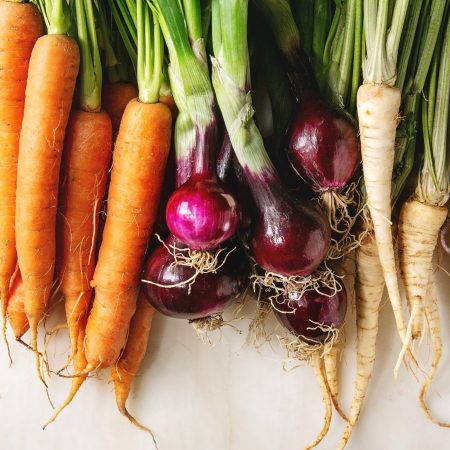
{"x":16,"y":310}
{"x":20,"y":27}
{"x":85,"y":167}
{"x":51,"y":82}
{"x":139,"y":160}
{"x":369,"y":291}
{"x":115,"y":98}
{"x":127,"y":367}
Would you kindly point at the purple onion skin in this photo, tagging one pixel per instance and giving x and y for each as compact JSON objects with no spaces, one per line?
{"x":203,"y":213}
{"x":323,"y":145}
{"x":210,"y":294}
{"x":299,"y":314}
{"x":286,"y":237}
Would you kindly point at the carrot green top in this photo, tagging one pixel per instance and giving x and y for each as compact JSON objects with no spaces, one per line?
{"x":91,"y":77}
{"x":56,"y":15}
{"x":141,"y":35}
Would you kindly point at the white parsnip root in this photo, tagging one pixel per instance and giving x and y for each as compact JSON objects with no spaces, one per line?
{"x":319,"y":371}
{"x":378,"y":114}
{"x":419,"y":227}
{"x":432,"y":317}
{"x":369,"y":291}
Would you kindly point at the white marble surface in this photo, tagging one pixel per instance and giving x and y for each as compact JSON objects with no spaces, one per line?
{"x":224,"y":398}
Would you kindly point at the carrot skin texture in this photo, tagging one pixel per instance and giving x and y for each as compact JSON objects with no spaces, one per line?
{"x":16,"y":309}
{"x":115,"y":98}
{"x":20,"y":27}
{"x":127,"y":367}
{"x":51,"y":82}
{"x":378,"y":109}
{"x":139,"y":161}
{"x":84,"y":173}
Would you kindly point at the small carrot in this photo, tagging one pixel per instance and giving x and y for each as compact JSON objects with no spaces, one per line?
{"x":85,"y":165}
{"x":51,"y":82}
{"x":127,"y":367}
{"x":139,"y":161}
{"x":20,"y":27}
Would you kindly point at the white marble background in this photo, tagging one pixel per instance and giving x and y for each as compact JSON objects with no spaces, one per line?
{"x":227,"y":397}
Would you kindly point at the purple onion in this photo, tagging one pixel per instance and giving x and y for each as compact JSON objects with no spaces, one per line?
{"x":301,"y":314}
{"x":287,"y":237}
{"x":323,"y":145}
{"x":203,"y":212}
{"x":210,"y":294}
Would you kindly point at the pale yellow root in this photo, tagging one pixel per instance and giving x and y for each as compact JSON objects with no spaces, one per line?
{"x":418,"y":233}
{"x":319,"y":371}
{"x":332,"y":353}
{"x":331,"y":358}
{"x":433,"y":319}
{"x":369,"y":291}
{"x":378,"y":112}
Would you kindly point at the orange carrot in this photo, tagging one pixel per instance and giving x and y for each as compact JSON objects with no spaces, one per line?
{"x":20,"y":27}
{"x":126,"y":368}
{"x":16,"y":310}
{"x":51,"y":81}
{"x":85,"y":167}
{"x":115,"y":98}
{"x":139,"y":161}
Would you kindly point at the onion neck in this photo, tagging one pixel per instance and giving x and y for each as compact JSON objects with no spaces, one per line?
{"x":205,"y":157}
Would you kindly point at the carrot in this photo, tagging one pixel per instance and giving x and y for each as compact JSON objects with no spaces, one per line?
{"x":85,"y":165}
{"x":369,"y":291}
{"x":16,"y":310}
{"x":115,"y":97}
{"x":126,"y":368}
{"x":20,"y":27}
{"x":51,"y":82}
{"x":139,"y":160}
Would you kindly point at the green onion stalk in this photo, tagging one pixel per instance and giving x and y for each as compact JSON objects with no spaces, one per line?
{"x":287,"y":258}
{"x":202,"y":213}
{"x":322,"y":143}
{"x":283,"y":227}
